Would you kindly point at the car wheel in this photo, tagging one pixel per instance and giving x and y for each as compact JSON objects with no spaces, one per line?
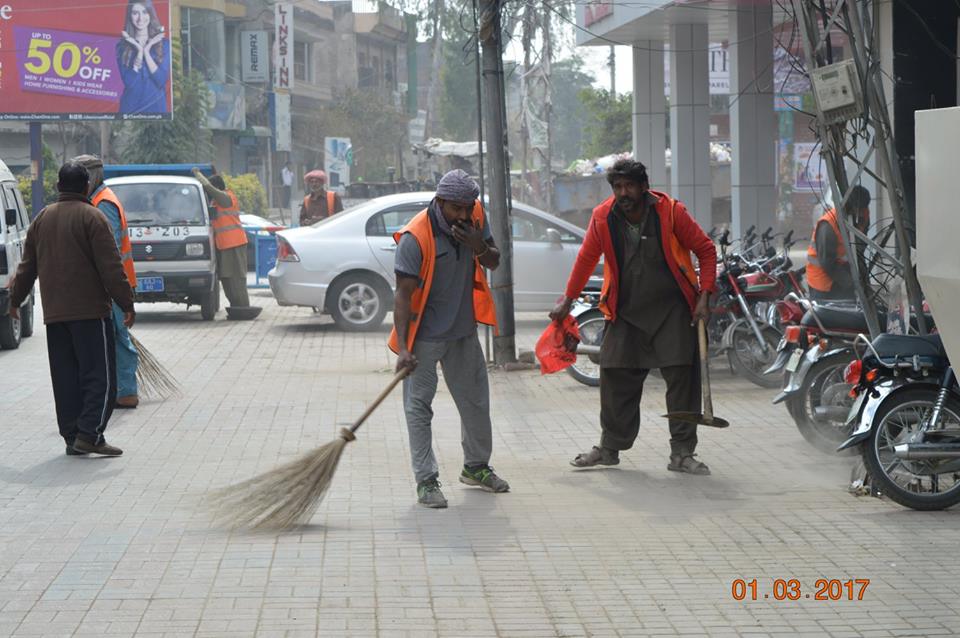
{"x":10,"y":333}
{"x":211,"y":304}
{"x":358,"y":302}
{"x":26,"y":318}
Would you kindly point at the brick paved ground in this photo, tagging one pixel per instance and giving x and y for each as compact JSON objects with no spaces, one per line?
{"x":93,"y":547}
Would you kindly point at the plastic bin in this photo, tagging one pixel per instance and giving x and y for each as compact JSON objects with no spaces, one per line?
{"x":266,"y":254}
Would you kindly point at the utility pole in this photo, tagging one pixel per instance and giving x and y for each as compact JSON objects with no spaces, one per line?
{"x":613,"y":70}
{"x":504,"y":347}
{"x":105,"y":142}
{"x":36,"y":168}
{"x":853,"y":126}
{"x":526,"y":39}
{"x":547,"y":179}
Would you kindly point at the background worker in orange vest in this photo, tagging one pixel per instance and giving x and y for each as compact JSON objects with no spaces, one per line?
{"x":651,"y":298}
{"x":108,"y":204}
{"x":319,"y":203}
{"x":442,"y":294}
{"x":828,"y":269}
{"x":229,"y":237}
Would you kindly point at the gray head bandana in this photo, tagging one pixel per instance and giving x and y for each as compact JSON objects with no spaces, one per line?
{"x":94,"y":166}
{"x":458,"y":186}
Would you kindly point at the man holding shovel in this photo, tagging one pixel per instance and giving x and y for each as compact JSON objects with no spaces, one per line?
{"x":442,"y":294}
{"x":651,"y":298}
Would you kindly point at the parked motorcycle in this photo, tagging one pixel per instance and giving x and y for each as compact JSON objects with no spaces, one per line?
{"x":906,"y":420}
{"x":817,"y":346}
{"x":749,"y":343}
{"x":591,"y":322}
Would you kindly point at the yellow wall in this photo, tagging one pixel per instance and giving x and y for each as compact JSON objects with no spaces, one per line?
{"x":229,"y":9}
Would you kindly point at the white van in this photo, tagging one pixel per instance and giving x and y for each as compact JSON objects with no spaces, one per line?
{"x":13,"y":232}
{"x":173,"y":251}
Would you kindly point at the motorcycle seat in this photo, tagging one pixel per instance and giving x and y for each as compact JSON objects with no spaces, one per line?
{"x":905,"y":346}
{"x":845,"y":318}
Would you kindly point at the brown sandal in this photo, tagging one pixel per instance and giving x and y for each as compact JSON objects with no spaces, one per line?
{"x":596,"y":456}
{"x":686,"y":463}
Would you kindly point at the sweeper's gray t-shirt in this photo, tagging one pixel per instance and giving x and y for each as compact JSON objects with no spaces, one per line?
{"x":448,"y":314}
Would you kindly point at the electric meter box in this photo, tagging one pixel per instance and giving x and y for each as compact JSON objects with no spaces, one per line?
{"x":836,"y":88}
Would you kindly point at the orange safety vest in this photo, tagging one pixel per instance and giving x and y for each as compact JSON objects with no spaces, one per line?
{"x":126,"y":248}
{"x":422,"y":230}
{"x":678,"y":259}
{"x":817,"y":277}
{"x":227,"y":229}
{"x":331,"y":202}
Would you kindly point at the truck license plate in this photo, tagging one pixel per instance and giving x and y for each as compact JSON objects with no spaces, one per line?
{"x":149,"y":284}
{"x":794,"y":361}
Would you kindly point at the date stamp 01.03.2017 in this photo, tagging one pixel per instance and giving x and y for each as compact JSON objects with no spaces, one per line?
{"x":793,"y":589}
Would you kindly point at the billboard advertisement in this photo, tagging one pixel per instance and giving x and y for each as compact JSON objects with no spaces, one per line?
{"x":96,"y":59}
{"x":227,"y":106}
{"x":810,"y":168}
{"x":337,"y":158}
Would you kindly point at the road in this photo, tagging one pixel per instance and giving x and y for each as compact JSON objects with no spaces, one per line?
{"x":124,"y":547}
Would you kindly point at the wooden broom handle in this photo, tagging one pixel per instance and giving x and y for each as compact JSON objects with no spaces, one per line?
{"x":376,"y":402}
{"x":704,"y":371}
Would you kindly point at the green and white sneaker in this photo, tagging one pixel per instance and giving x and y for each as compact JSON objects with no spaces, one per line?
{"x":429,"y":494}
{"x":484,"y":477}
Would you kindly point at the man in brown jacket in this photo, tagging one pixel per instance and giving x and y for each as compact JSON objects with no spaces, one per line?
{"x":71,"y":248}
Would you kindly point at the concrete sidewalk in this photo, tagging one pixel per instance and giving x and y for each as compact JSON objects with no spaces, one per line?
{"x":94,"y":546}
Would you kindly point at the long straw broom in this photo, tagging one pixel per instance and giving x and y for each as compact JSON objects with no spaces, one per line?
{"x":153,"y":379}
{"x":290,"y":494}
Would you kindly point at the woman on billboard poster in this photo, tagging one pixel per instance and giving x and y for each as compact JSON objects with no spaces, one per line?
{"x":143,"y":55}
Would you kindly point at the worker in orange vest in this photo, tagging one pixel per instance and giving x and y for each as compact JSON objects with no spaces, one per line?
{"x":828,"y":267}
{"x":442,"y":294}
{"x":229,"y":238}
{"x":106,"y":201}
{"x":319,"y":202}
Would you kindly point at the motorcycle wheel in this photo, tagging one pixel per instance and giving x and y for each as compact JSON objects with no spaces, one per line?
{"x":913,"y":484}
{"x":586,"y":370}
{"x":824,"y":387}
{"x":748,"y":359}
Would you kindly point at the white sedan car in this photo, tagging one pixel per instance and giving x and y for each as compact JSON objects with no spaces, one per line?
{"x":343,"y":265}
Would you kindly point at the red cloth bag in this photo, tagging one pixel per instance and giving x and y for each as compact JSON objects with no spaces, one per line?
{"x":557,"y":346}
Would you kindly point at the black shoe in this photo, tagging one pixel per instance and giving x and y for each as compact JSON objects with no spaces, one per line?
{"x":82,"y":447}
{"x":72,"y":452}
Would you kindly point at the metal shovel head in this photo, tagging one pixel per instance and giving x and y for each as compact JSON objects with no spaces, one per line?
{"x":697,"y":418}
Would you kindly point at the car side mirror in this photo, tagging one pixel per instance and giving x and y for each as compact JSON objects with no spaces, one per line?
{"x":10,"y":216}
{"x":553,"y":236}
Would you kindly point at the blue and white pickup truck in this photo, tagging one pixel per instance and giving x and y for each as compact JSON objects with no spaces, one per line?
{"x":168,"y":223}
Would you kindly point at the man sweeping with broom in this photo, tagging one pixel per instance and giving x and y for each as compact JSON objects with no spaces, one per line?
{"x":442,"y":294}
{"x":107,"y":202}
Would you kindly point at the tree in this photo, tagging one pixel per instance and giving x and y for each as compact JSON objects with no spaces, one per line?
{"x":185,"y":138}
{"x":568,"y":114}
{"x":51,"y":170}
{"x":608,"y":127}
{"x":375,"y":128}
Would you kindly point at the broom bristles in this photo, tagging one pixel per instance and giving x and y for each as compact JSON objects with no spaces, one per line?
{"x":153,"y":379}
{"x":283,"y":497}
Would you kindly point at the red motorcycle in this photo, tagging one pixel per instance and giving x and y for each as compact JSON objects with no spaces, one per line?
{"x":736,"y":326}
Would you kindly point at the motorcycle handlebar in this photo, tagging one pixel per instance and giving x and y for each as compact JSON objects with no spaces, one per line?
{"x":725,"y":237}
{"x":767,"y":234}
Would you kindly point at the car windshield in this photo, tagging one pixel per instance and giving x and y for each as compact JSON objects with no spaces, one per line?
{"x":161,"y":204}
